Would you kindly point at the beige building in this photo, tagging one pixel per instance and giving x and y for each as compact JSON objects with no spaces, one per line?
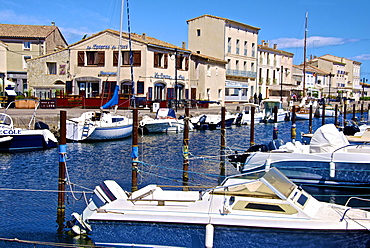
{"x":23,"y":42}
{"x":344,"y":73}
{"x":88,"y":68}
{"x":275,"y":72}
{"x":233,"y":42}
{"x":207,"y":78}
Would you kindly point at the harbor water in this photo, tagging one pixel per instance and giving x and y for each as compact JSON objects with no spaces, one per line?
{"x":29,"y":183}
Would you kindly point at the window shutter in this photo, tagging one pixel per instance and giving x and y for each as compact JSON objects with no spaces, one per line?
{"x":166,"y":61}
{"x":137,"y":58}
{"x":115,"y":58}
{"x":101,"y":58}
{"x":155,"y":59}
{"x":178,"y":62}
{"x":186,"y":63}
{"x":81,"y":58}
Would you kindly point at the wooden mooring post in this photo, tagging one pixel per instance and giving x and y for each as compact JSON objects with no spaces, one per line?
{"x":185,"y":165}
{"x":62,"y":171}
{"x":223,"y":145}
{"x":134,"y":149}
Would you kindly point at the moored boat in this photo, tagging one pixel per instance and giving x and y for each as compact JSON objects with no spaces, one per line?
{"x":328,"y":159}
{"x":20,"y":139}
{"x":164,"y":121}
{"x":271,"y":201}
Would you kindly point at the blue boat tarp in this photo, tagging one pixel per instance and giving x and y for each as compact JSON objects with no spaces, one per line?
{"x":113,"y":101}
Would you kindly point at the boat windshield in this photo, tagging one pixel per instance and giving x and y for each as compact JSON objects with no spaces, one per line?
{"x":279,"y":181}
{"x":5,"y":120}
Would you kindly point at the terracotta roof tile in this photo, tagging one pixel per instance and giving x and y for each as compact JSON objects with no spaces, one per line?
{"x":29,"y":31}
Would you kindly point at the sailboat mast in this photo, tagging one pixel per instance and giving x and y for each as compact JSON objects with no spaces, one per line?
{"x":133,"y":102}
{"x":119,"y":45}
{"x":305,"y":55}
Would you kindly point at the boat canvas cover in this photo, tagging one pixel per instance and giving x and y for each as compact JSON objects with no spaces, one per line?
{"x":113,"y":101}
{"x":163,"y":113}
{"x":327,"y":139}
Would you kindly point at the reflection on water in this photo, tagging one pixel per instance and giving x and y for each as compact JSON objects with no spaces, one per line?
{"x":29,"y":213}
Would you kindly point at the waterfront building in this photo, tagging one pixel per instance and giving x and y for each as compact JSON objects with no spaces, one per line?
{"x":233,"y":42}
{"x":275,"y":72}
{"x":344,"y":74}
{"x":87,"y":70}
{"x":19,"y":43}
{"x":317,"y":81}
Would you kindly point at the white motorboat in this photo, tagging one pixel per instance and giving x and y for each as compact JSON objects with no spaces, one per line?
{"x":100,"y":125}
{"x":244,"y":117}
{"x":268,"y":110}
{"x":164,"y":121}
{"x":211,"y":121}
{"x":328,"y":159}
{"x":17,"y":139}
{"x":272,"y":201}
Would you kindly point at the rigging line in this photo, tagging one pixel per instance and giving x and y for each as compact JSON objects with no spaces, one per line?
{"x":70,"y":184}
{"x":172,"y":179}
{"x":43,"y":243}
{"x":39,"y":190}
{"x":167,"y":168}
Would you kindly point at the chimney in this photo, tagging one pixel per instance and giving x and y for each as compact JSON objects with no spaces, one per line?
{"x":275,"y":46}
{"x":144,"y":36}
{"x":52,"y":23}
{"x":183,"y":45}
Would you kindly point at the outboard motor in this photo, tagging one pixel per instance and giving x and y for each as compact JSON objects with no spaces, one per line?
{"x":239,"y":119}
{"x":351,"y":130}
{"x":41,"y":125}
{"x":275,"y":144}
{"x":202,"y":119}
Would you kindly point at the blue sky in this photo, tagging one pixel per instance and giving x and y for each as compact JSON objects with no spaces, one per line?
{"x":337,"y":27}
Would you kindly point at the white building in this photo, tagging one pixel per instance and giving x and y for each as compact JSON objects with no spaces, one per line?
{"x":233,"y":42}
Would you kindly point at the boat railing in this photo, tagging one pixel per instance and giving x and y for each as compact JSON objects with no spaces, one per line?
{"x":349,"y":208}
{"x":340,"y":148}
{"x":357,"y":198}
{"x":33,"y":117}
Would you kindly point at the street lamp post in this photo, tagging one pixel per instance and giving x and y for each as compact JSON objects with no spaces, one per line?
{"x":281,"y":85}
{"x":364,"y":80}
{"x":330,"y":75}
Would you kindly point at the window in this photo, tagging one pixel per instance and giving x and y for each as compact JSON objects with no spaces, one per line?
{"x":92,"y":58}
{"x":136,"y":58}
{"x":253,"y":50}
{"x":25,"y":58}
{"x":237,"y":47}
{"x":51,"y":68}
{"x":160,"y":60}
{"x":140,"y":87}
{"x":229,"y":45}
{"x":95,"y":58}
{"x":198,"y":32}
{"x":246,"y":48}
{"x":208,"y":70}
{"x":264,"y":207}
{"x":182,"y":62}
{"x":26,"y":45}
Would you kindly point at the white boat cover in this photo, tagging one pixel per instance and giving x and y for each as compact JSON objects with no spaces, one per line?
{"x":327,"y":139}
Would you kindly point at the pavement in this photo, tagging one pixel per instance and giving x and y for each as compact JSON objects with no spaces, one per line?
{"x":21,"y":117}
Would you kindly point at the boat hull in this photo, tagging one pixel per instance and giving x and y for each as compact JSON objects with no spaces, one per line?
{"x":317,"y":169}
{"x":27,"y":141}
{"x":75,"y":132}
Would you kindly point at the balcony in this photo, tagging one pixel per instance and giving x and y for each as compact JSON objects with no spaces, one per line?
{"x":239,"y":73}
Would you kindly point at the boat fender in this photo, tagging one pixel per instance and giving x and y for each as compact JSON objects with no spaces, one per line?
{"x":332,"y":169}
{"x":267,"y":164}
{"x":209,"y":235}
